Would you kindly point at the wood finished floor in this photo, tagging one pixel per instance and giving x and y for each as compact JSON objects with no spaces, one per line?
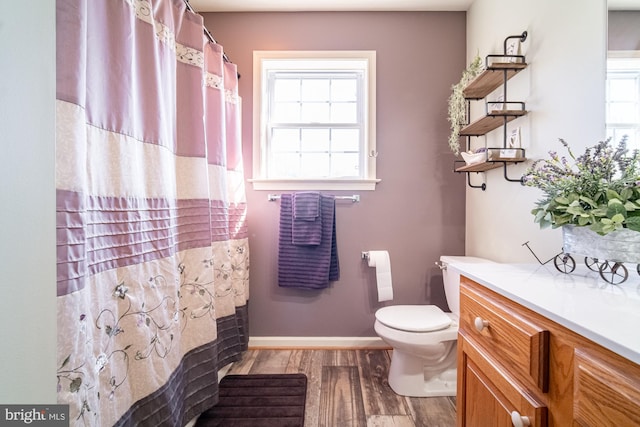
{"x":349,"y":388}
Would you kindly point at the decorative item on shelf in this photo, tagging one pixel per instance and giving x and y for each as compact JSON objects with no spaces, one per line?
{"x":505,"y":154}
{"x":457,"y":103}
{"x":514,"y":138}
{"x":496,"y":106}
{"x":512,"y":50}
{"x":596,"y":200}
{"x":473,"y":157}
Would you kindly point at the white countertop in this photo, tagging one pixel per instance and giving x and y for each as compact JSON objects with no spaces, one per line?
{"x":581,"y":301}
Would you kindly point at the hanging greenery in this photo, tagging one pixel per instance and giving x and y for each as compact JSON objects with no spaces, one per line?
{"x":457,"y":103}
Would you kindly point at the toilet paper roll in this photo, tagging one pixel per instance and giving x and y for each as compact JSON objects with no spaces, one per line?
{"x":380,"y":260}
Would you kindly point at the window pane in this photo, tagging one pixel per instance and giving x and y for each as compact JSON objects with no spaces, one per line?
{"x":285,"y":140}
{"x":345,"y":165}
{"x":344,"y":90}
{"x":287,"y":112}
{"x":315,"y":165}
{"x":623,"y":90}
{"x":345,"y":140}
{"x":284,"y":165}
{"x":315,"y":112}
{"x":344,"y":113}
{"x":315,"y":140}
{"x":286,"y":90}
{"x":315,"y":90}
{"x":623,"y":112}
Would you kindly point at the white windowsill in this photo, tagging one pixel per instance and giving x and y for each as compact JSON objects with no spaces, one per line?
{"x":320,"y":184}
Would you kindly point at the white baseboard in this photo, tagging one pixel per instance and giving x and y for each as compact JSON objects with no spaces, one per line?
{"x":317,"y":342}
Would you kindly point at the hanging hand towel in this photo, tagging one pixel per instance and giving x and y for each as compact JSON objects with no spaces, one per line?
{"x":307,"y":221}
{"x":306,"y":205}
{"x":310,"y":267}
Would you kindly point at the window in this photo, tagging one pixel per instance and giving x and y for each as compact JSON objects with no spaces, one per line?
{"x":314,"y":120}
{"x":623,"y":99}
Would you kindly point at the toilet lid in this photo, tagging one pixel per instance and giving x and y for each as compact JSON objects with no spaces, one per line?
{"x":414,"y":318}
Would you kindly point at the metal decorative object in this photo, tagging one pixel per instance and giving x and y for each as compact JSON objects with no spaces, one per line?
{"x":620,"y":246}
{"x":604,"y":254}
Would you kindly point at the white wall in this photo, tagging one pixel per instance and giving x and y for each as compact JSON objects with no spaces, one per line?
{"x":27,"y":194}
{"x":563,"y":88}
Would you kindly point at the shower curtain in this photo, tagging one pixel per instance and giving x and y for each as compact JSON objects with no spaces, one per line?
{"x":152,"y":251}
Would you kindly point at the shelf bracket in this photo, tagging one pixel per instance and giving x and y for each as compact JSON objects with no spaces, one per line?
{"x":483,"y":186}
{"x":506,"y":176}
{"x":522,"y":38}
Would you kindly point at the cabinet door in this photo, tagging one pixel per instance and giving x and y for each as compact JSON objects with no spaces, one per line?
{"x":604,"y":394}
{"x":487,"y":396}
{"x":483,"y":405}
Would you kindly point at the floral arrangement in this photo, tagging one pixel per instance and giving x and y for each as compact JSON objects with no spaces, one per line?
{"x":599,"y":190}
{"x":457,"y":103}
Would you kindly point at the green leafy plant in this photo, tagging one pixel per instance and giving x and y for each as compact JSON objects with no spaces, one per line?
{"x":457,"y":103}
{"x":599,"y":189}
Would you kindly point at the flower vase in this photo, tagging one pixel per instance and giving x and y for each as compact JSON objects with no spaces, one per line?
{"x":618,"y":246}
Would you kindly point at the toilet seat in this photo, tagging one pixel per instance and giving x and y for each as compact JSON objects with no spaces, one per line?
{"x":414,"y":318}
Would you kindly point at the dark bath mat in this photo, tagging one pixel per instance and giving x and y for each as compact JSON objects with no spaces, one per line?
{"x":266,"y":400}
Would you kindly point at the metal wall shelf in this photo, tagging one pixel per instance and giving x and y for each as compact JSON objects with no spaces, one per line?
{"x":498,"y":70}
{"x":490,"y":122}
{"x":493,"y":160}
{"x":492,"y":78}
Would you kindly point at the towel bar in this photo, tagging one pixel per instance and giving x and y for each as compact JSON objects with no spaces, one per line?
{"x":355,"y":198}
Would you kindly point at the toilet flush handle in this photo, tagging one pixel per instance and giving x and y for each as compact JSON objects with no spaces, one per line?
{"x":480,"y":323}
{"x":441,"y":265}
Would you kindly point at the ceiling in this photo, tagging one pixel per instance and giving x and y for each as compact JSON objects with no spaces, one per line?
{"x":354,"y":5}
{"x":327,"y":5}
{"x":624,"y":4}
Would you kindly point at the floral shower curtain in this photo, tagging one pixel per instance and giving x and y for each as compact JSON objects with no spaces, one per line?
{"x":153,"y":258}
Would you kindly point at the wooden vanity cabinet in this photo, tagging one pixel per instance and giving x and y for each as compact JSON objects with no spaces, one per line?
{"x":518,"y":368}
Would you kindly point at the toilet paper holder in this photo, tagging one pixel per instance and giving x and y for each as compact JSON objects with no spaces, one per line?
{"x":364,"y":255}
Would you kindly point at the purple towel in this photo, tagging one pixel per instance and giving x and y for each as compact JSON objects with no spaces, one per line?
{"x":310,"y":267}
{"x":307,"y":222}
{"x":306,"y":205}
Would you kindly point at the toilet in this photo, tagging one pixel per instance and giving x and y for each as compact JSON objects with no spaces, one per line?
{"x":423,"y":337}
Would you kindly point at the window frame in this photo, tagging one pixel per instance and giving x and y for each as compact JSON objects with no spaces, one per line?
{"x":264,"y":61}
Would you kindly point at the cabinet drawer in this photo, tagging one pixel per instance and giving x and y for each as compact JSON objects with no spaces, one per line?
{"x":490,"y":396}
{"x":516,"y":342}
{"x":604,"y":395}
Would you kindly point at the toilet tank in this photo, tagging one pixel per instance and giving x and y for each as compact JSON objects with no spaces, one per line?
{"x":451,"y":278}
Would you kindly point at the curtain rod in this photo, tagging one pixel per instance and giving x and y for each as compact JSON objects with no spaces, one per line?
{"x":208,"y":34}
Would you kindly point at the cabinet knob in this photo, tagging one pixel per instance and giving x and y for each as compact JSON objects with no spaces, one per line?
{"x":518,"y":420}
{"x":480,"y":323}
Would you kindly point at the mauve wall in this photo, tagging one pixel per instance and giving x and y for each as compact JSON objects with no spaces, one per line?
{"x":416,"y":212}
{"x":624,"y":30}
